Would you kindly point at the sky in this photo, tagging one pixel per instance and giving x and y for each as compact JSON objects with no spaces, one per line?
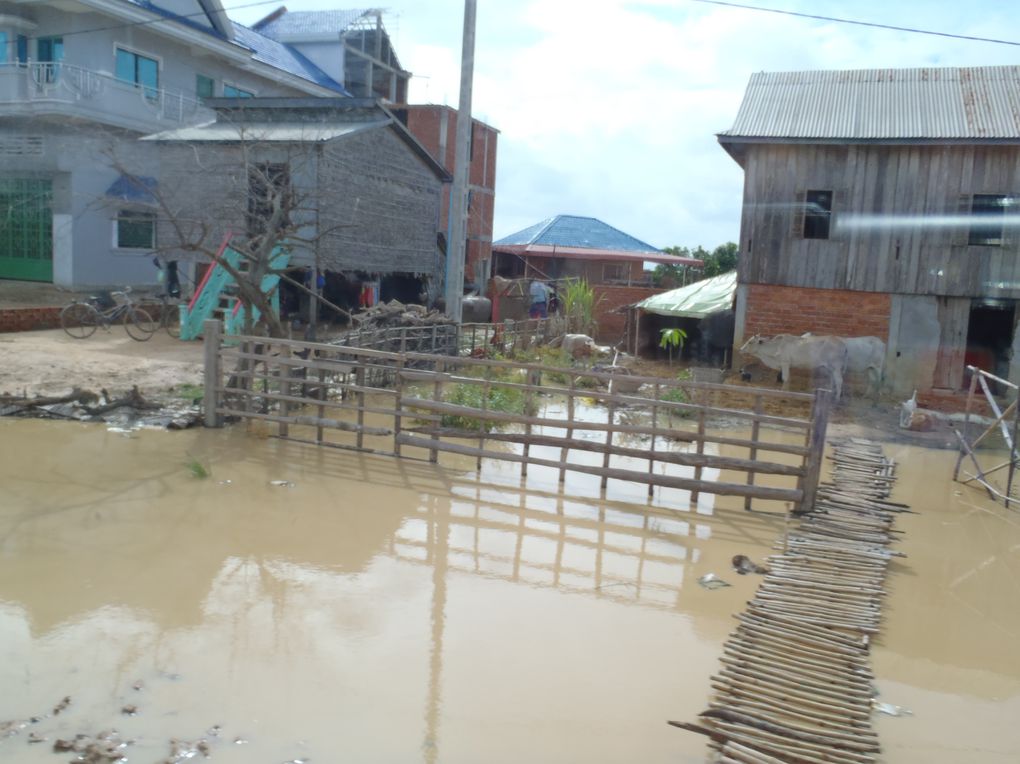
{"x":610,"y":108}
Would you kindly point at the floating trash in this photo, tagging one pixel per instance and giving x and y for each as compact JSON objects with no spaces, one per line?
{"x":712,"y":581}
{"x":744,"y":565}
{"x":281,"y":483}
{"x":890,"y":709}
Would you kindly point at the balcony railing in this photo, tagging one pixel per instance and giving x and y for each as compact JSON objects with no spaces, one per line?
{"x":37,"y":87}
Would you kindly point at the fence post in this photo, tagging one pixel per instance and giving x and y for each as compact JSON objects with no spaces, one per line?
{"x":816,"y":449}
{"x":212,"y":333}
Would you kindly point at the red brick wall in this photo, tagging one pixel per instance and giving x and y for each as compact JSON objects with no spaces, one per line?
{"x":27,"y":319}
{"x":612,"y":325}
{"x":796,"y":310}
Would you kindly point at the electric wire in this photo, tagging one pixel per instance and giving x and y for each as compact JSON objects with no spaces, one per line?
{"x":872,"y":24}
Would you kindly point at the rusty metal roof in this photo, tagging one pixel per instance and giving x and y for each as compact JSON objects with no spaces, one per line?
{"x":978,"y":103}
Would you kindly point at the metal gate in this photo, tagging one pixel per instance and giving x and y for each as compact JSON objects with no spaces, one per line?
{"x":26,"y":229}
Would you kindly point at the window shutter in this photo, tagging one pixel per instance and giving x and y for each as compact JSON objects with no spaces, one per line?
{"x":797,"y":219}
{"x":960,"y":232}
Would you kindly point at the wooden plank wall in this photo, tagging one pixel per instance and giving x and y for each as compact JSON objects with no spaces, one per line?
{"x":912,"y":190}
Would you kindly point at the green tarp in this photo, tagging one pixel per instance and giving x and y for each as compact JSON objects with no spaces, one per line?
{"x":695,"y":300}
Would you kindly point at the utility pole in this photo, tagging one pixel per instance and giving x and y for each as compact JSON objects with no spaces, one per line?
{"x":456,"y":250}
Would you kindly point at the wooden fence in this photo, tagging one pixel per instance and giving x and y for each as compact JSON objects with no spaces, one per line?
{"x":652,"y":431}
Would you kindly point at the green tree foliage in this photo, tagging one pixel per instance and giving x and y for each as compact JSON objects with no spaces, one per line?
{"x":720,"y":260}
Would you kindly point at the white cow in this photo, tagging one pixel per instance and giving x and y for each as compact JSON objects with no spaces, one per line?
{"x":865,"y":355}
{"x":787,"y":351}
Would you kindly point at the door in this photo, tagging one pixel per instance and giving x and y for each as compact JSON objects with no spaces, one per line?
{"x":954,"y":317}
{"x":50,"y":51}
{"x":26,"y":229}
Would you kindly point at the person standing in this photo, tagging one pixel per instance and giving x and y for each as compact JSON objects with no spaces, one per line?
{"x":539,"y":300}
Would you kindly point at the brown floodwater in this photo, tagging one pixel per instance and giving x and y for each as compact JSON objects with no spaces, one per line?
{"x":380,"y":610}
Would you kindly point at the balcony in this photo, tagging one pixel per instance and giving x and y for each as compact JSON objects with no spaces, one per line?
{"x":36,"y":89}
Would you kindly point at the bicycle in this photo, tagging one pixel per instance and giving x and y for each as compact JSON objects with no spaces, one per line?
{"x":80,"y":319}
{"x":169,"y":314}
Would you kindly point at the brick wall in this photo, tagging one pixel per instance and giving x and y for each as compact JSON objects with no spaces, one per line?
{"x":612,"y":325}
{"x":29,"y":319}
{"x":795,"y":310}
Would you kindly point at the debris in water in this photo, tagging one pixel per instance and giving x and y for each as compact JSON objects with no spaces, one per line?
{"x":197,"y":469}
{"x":138,"y":685}
{"x":281,"y":483}
{"x":106,"y":746}
{"x":240,"y":741}
{"x":744,"y":565}
{"x":35,"y":738}
{"x":129,"y":709}
{"x":62,"y":705}
{"x":890,"y":709}
{"x":224,"y":482}
{"x":712,"y":581}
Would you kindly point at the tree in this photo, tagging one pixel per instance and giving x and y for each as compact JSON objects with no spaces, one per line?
{"x":720,"y":260}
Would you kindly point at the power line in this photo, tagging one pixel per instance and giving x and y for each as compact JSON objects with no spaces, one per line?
{"x":872,"y":24}
{"x":147,"y":22}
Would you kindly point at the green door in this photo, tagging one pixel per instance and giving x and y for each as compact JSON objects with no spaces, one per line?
{"x":26,"y":229}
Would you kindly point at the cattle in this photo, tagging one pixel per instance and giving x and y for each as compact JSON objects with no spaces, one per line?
{"x":787,"y":351}
{"x":865,"y":355}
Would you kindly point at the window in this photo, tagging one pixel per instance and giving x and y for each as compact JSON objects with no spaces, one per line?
{"x":988,"y":213}
{"x":136,"y":230}
{"x":3,"y":48}
{"x":205,"y":87}
{"x":229,"y":91}
{"x":139,"y":70}
{"x":817,"y":214}
{"x":614,"y":272}
{"x":22,"y":49}
{"x":50,"y":52}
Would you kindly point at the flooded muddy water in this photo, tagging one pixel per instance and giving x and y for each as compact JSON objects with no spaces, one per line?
{"x":375,"y":609}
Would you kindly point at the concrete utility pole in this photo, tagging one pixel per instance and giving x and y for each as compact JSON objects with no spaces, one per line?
{"x":456,"y":240}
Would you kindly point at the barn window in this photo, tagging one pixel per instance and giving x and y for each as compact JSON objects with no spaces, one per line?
{"x":988,"y":213}
{"x":817,"y":214}
{"x":614,"y":272}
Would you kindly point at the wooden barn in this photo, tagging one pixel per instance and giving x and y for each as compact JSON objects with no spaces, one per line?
{"x":884,"y":202}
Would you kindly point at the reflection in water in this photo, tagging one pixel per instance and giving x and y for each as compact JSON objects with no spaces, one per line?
{"x":378,"y":608}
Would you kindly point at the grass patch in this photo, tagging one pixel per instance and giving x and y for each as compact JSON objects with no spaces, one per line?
{"x":193,"y":393}
{"x":508,"y":400}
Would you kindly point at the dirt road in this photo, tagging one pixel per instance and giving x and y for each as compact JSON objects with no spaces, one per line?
{"x":50,"y":362}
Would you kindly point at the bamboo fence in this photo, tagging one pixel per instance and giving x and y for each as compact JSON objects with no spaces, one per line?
{"x":796,"y":683}
{"x":422,"y":405}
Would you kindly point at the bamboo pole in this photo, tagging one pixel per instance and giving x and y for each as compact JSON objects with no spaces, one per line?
{"x":755,"y":427}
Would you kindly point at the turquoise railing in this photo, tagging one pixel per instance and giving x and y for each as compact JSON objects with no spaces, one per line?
{"x":207,"y":296}
{"x":233,"y":321}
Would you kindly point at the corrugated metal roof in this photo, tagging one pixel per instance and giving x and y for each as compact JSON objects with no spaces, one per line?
{"x":874,"y":104}
{"x":287,"y":132}
{"x":306,"y":23}
{"x":575,"y":231}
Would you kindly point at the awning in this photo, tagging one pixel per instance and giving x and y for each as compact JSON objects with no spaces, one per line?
{"x":695,"y":300}
{"x":136,"y":189}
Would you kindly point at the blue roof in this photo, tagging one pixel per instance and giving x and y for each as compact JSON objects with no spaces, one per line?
{"x":139,"y":189}
{"x":263,"y":49}
{"x":294,"y":23}
{"x":283,"y":57}
{"x":575,"y":231}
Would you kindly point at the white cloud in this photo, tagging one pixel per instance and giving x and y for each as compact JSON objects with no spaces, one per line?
{"x":610,"y":107}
